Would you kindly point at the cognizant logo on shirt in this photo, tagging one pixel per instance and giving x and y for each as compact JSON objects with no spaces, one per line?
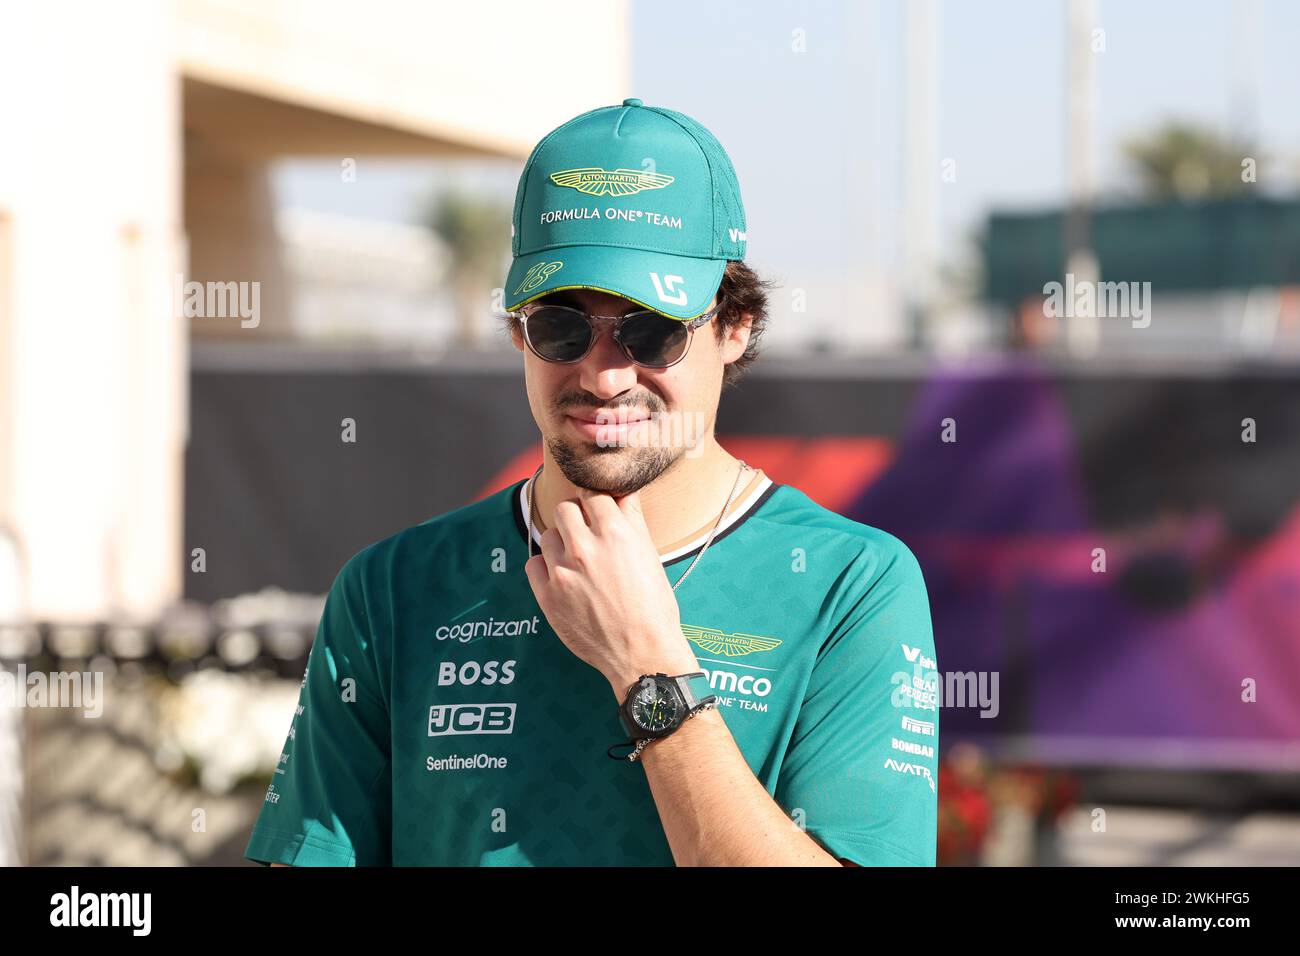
{"x":476,"y":630}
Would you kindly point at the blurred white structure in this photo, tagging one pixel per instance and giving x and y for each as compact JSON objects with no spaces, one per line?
{"x":136,"y":144}
{"x":364,"y":280}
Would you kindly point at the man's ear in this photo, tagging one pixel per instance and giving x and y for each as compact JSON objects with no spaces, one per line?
{"x":517,"y":334}
{"x":736,"y":339}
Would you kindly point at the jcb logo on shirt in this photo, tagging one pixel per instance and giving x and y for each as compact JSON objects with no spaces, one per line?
{"x":466,"y":719}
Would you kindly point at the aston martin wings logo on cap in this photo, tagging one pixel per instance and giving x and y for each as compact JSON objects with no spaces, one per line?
{"x":595,"y":181}
{"x":728,"y":645}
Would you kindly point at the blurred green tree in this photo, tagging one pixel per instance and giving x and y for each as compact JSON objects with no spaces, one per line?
{"x":1181,"y":160}
{"x":476,"y":230}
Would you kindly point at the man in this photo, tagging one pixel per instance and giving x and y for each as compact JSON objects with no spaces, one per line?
{"x":648,"y":653}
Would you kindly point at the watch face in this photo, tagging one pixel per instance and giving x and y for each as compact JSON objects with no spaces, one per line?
{"x":655,"y":706}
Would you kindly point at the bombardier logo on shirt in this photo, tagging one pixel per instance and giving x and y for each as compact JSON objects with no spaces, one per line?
{"x":728,"y":645}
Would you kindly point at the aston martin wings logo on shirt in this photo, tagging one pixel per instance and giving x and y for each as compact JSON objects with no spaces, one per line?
{"x":728,"y":645}
{"x":595,"y":181}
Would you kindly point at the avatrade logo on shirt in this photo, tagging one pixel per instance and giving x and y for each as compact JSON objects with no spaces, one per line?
{"x":909,"y":768}
{"x":595,"y":181}
{"x":923,"y":727}
{"x":448,"y":720}
{"x":728,"y":645}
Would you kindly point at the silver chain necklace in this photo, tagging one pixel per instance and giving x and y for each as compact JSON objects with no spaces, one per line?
{"x":528,"y":518}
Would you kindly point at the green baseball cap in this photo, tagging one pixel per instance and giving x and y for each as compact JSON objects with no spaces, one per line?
{"x":634,"y":200}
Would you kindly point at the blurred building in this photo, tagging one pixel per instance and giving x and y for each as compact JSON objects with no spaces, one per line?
{"x":1215,"y":279}
{"x":362,"y":280}
{"x":141,"y":166}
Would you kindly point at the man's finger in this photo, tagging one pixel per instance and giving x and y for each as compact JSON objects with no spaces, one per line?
{"x":552,"y":547}
{"x":630,"y":505}
{"x":538,"y":575}
{"x":599,"y":508}
{"x":571,"y":523}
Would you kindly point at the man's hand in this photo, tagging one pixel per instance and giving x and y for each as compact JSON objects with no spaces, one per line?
{"x":602,"y":587}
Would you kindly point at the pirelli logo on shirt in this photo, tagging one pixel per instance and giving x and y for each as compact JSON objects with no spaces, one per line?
{"x":728,"y":645}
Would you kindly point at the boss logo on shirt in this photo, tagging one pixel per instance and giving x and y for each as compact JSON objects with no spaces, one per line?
{"x":472,"y":672}
{"x":447,"y":720}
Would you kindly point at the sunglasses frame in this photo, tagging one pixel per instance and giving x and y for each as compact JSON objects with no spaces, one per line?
{"x":524,"y":312}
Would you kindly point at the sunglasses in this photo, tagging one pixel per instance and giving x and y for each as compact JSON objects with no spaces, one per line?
{"x":558,"y":333}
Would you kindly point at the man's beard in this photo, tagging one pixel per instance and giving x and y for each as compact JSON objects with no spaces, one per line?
{"x":613,"y":471}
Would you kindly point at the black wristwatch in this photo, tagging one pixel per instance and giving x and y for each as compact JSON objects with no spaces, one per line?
{"x":658,"y":704}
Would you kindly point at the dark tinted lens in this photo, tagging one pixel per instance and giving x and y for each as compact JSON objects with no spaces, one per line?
{"x":558,"y":334}
{"x":653,"y":339}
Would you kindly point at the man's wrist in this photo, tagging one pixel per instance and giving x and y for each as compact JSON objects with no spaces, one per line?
{"x":653,"y":742}
{"x":622,"y":683}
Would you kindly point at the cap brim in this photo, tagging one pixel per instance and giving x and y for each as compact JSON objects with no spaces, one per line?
{"x":680,"y":286}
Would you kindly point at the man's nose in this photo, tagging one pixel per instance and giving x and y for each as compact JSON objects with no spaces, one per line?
{"x":607,"y":371}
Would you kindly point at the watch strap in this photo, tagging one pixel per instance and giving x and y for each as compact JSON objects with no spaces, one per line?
{"x":695,"y":690}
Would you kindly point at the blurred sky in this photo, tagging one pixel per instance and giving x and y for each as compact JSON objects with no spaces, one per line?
{"x":817,"y":136}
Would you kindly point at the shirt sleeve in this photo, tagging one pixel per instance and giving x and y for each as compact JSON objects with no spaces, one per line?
{"x":329,"y":801}
{"x":861,"y":771}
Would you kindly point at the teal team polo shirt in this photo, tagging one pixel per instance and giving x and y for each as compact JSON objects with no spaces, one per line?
{"x":442,"y":722}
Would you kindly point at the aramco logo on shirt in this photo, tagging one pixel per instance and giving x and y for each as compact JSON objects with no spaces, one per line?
{"x":728,"y":645}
